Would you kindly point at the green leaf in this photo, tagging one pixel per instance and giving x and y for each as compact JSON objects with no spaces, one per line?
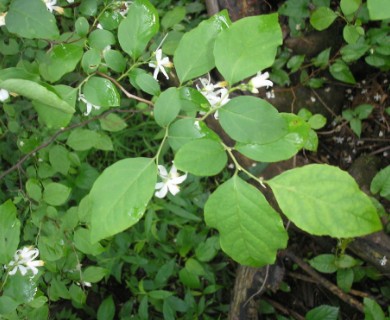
{"x":353,"y":52}
{"x":378,"y":9}
{"x":7,"y":305}
{"x":295,"y":62}
{"x":138,"y":28}
{"x":372,"y":310}
{"x":131,"y":185}
{"x":351,"y":34}
{"x":323,"y":312}
{"x":115,"y":60}
{"x":100,"y":39}
{"x":82,"y":139}
{"x":9,"y":231}
{"x":112,"y":123}
{"x":324,"y":200}
{"x":82,"y":242}
{"x":317,"y":121}
{"x":31,"y":19}
{"x":101,"y":92}
{"x":322,"y":18}
{"x":250,"y":230}
{"x":173,"y":17}
{"x":252,"y":120}
{"x":56,"y":194}
{"x":94,"y":274}
{"x":183,"y":131}
{"x":35,"y":91}
{"x":58,"y":157}
{"x":240,"y":54}
{"x":275,"y":151}
{"x":167,"y":106}
{"x":363,"y":110}
{"x":81,"y":26}
{"x":345,"y":279}
{"x":91,"y":60}
{"x":322,"y":59}
{"x":54,"y":118}
{"x":324,"y":263}
{"x":201,"y":157}
{"x":33,"y":188}
{"x":340,"y":71}
{"x":381,"y":183}
{"x":148,"y":84}
{"x":349,"y":7}
{"x":356,"y":126}
{"x":106,"y":309}
{"x":194,"y":54}
{"x":60,"y":61}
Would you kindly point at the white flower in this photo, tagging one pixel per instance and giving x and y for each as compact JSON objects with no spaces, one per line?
{"x":4,"y":95}
{"x":169,"y":181}
{"x":124,"y":8}
{"x":160,"y":64}
{"x":2,"y":18}
{"x":260,"y":80}
{"x":24,"y":260}
{"x":383,"y":261}
{"x":88,"y":104}
{"x":51,"y":5}
{"x":216,"y":94}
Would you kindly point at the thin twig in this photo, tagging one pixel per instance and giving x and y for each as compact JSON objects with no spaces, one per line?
{"x":261,"y":288}
{"x":128,"y":94}
{"x":325,"y":283}
{"x":284,"y":310}
{"x":51,"y":140}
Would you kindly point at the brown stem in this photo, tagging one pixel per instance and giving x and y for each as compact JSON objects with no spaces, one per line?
{"x":52,"y":139}
{"x":324,"y":282}
{"x":128,"y":94}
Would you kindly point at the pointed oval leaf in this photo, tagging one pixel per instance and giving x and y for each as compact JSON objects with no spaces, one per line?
{"x":183,"y":131}
{"x":138,"y":28}
{"x":120,"y":195}
{"x":248,"y":46}
{"x":9,"y":232}
{"x":324,"y":200}
{"x":194,"y":54}
{"x":35,"y":91}
{"x":31,"y":19}
{"x":250,"y":230}
{"x":322,"y":18}
{"x":167,"y":106}
{"x":252,"y":120}
{"x":60,"y":61}
{"x":101,"y":92}
{"x":202,"y":157}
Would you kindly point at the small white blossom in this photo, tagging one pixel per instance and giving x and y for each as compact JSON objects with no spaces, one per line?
{"x":312,"y":99}
{"x":338,"y":139}
{"x":170,"y":181}
{"x":160,"y":64}
{"x":216,"y":94}
{"x":4,"y":95}
{"x":24,"y":260}
{"x":270,"y":94}
{"x":260,"y":80}
{"x":377,"y":97}
{"x":124,"y":8}
{"x":88,"y":104}
{"x":383,"y":261}
{"x":2,"y":18}
{"x":99,"y":26}
{"x":51,"y":5}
